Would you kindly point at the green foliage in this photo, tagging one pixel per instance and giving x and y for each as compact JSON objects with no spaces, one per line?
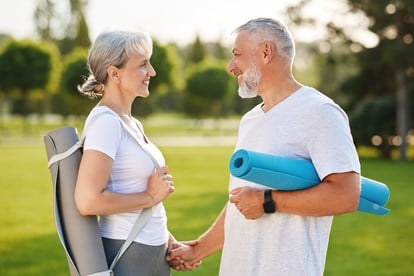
{"x":375,"y":117}
{"x":197,"y":51}
{"x":68,"y":29}
{"x":28,"y":65}
{"x":241,"y":105}
{"x":82,"y":35}
{"x":162,"y":93}
{"x":44,"y":15}
{"x":68,"y":101}
{"x":365,"y":73}
{"x":75,"y":70}
{"x":24,"y":65}
{"x":161,"y":61}
{"x":390,"y":63}
{"x":207,"y":89}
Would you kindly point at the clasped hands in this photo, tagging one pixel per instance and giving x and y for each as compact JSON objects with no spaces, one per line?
{"x":249,"y":201}
{"x":181,"y":255}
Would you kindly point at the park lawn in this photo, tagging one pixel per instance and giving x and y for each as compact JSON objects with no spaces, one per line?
{"x":361,"y":244}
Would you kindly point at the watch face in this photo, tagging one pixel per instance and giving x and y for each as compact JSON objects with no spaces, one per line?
{"x":269,"y":207}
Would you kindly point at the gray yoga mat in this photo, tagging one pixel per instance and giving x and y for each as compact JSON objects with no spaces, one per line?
{"x":79,"y":235}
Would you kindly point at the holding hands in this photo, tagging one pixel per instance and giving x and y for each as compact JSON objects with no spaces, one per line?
{"x":181,"y":255}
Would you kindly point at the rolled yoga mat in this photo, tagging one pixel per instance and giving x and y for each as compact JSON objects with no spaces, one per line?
{"x":79,"y":235}
{"x":289,"y":174}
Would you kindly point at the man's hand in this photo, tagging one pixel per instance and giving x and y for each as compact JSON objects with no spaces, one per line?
{"x":249,"y":201}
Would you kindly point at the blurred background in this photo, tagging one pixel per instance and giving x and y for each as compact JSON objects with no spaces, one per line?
{"x":358,"y":52}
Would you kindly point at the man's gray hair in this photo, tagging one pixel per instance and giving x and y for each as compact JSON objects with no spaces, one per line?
{"x":268,"y":29}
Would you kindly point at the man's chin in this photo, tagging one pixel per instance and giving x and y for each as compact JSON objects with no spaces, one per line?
{"x":245,"y":95}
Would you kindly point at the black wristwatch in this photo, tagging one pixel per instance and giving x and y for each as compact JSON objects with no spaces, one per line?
{"x":268,"y":203}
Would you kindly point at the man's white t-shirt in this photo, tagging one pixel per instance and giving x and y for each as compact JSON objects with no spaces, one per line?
{"x":130,"y":173}
{"x":307,"y":125}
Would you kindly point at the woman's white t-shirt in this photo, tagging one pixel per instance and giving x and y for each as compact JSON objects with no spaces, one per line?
{"x":130,"y":173}
{"x":306,"y":125}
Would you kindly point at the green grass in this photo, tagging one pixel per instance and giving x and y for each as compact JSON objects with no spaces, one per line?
{"x":159,"y":124}
{"x":364,"y":244}
{"x":361,"y":244}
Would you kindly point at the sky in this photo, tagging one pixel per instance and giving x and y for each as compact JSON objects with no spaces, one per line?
{"x":179,"y":20}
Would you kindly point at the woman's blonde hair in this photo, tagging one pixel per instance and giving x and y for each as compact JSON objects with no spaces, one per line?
{"x":112,"y":48}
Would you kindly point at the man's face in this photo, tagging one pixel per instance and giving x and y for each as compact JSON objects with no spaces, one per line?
{"x":244,"y":66}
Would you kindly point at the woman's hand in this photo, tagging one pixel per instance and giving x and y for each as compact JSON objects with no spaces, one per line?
{"x":160,"y":185}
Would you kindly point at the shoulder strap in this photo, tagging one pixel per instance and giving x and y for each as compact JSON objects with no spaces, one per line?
{"x":146,"y":213}
{"x":139,"y":142}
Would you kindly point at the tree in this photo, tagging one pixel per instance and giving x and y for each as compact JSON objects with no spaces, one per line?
{"x":68,"y":29}
{"x":68,"y":101}
{"x":82,"y":34}
{"x":372,"y":122}
{"x":208,"y":88}
{"x":165,"y":63}
{"x":197,"y":51}
{"x":385,"y":68}
{"x":393,"y":22}
{"x":25,"y":67}
{"x":44,"y":15}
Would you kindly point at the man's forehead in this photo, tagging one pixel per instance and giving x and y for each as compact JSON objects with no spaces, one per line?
{"x":243,"y":41}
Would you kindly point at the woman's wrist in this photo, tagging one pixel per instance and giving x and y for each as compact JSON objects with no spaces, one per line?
{"x":149,"y":202}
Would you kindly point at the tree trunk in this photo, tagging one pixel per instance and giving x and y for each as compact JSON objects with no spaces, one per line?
{"x":402,"y":107}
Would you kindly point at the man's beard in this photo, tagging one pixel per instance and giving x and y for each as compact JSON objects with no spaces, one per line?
{"x":250,"y":84}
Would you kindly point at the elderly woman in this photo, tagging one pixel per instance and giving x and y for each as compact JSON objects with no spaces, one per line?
{"x":117,"y":177}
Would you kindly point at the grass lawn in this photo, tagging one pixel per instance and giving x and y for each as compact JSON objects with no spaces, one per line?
{"x":361,"y":244}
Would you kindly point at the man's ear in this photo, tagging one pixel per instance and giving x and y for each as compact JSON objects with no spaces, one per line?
{"x":113,"y":73}
{"x":268,"y":50}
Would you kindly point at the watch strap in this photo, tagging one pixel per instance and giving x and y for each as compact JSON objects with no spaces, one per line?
{"x":269,"y":205}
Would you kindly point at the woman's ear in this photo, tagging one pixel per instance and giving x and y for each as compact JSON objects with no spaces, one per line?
{"x":113,"y":73}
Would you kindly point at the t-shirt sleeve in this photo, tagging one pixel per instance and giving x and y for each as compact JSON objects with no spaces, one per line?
{"x":104,"y":135}
{"x":331,"y":146}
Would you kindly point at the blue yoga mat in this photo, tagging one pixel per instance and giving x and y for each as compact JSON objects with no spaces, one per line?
{"x":290,"y":174}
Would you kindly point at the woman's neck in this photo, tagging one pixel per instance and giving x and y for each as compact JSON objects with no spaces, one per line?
{"x":116,"y":104}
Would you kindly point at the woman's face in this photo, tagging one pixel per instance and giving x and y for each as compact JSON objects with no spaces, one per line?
{"x":134,"y":76}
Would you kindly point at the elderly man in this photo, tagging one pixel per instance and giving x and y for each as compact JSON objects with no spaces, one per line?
{"x":270,"y":232}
